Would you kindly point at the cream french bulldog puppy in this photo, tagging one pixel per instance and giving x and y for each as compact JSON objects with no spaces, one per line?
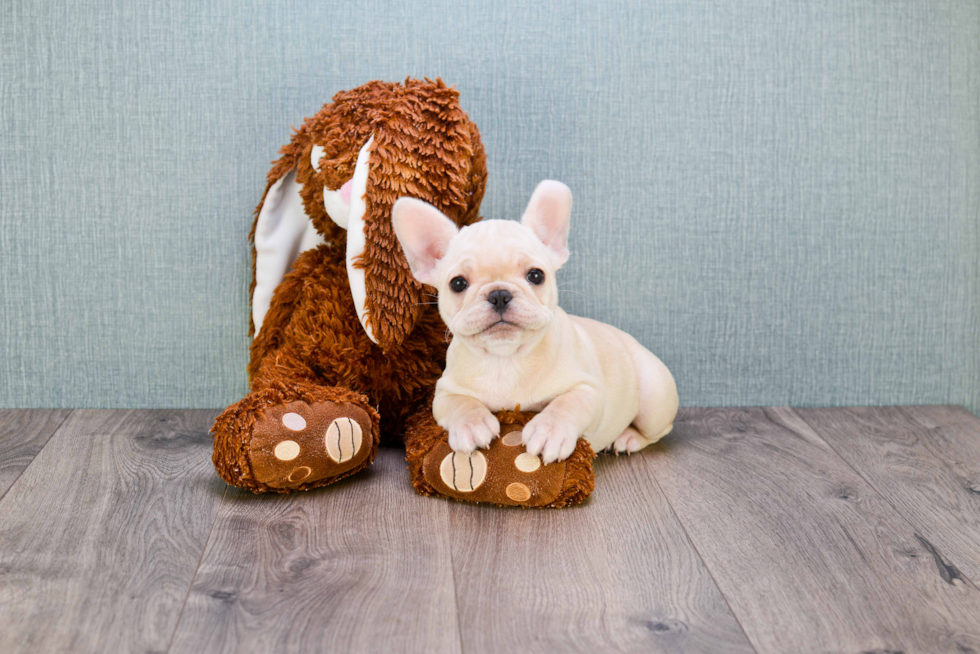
{"x":512,"y":345}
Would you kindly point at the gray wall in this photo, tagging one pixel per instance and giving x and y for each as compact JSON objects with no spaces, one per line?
{"x":781,"y":199}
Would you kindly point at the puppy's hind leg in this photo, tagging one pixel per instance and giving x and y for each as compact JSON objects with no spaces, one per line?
{"x":632,"y":441}
{"x":658,"y":402}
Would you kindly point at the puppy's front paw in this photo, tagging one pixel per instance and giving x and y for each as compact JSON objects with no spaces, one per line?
{"x":550,"y":438}
{"x":474,"y":430}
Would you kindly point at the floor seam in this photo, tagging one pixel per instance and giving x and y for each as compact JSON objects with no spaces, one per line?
{"x":38,"y":453}
{"x":707,"y":568}
{"x":190,"y":587}
{"x":452,"y":565}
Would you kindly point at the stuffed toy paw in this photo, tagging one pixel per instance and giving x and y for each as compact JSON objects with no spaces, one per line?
{"x":346,"y":346}
{"x":504,"y":473}
{"x":279,"y":439}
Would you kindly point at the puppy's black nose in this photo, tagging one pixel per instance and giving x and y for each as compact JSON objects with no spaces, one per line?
{"x":499,"y":299}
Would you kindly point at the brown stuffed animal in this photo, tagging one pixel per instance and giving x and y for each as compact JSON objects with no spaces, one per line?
{"x":342,"y":330}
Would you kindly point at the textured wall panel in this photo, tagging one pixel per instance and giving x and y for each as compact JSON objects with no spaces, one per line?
{"x":781,"y":199}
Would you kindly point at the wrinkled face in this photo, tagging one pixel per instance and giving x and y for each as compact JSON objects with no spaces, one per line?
{"x":496,"y":278}
{"x":496,"y":284}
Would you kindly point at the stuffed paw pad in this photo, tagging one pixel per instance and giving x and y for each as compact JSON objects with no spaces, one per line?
{"x":298,"y":443}
{"x":504,"y":473}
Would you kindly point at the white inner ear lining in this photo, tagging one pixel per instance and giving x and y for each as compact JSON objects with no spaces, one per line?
{"x":337,"y":209}
{"x":282,"y":232}
{"x":315,"y":155}
{"x":356,"y":239}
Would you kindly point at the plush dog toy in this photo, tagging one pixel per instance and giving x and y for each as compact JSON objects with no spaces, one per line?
{"x":347,"y":344}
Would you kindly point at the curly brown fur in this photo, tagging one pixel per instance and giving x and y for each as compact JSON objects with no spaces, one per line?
{"x":311,"y":338}
{"x":425,"y":147}
{"x":421,"y":435}
{"x":579,"y":477}
{"x":312,"y":335}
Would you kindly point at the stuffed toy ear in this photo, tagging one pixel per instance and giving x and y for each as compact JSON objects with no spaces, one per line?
{"x":424,"y":233}
{"x":547,"y":215}
{"x":357,"y":234}
{"x":282,"y":232}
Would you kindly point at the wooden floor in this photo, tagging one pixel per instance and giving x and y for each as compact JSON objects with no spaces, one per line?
{"x":767,"y":530}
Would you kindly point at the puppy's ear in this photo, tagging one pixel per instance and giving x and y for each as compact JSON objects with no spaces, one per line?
{"x":547,"y":215}
{"x":424,"y":233}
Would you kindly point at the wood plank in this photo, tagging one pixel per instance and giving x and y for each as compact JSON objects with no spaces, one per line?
{"x":615,"y":574}
{"x":23,"y":432}
{"x":809,"y":556}
{"x":925,"y":461}
{"x":100,"y":536}
{"x":362,"y":565}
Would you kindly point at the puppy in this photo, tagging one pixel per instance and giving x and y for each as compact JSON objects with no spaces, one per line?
{"x":512,"y":345}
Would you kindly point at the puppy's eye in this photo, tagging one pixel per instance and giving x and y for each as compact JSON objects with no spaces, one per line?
{"x":458,"y":284}
{"x":535,"y":276}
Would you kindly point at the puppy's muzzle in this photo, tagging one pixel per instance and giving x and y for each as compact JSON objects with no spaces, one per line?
{"x":499,"y":300}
